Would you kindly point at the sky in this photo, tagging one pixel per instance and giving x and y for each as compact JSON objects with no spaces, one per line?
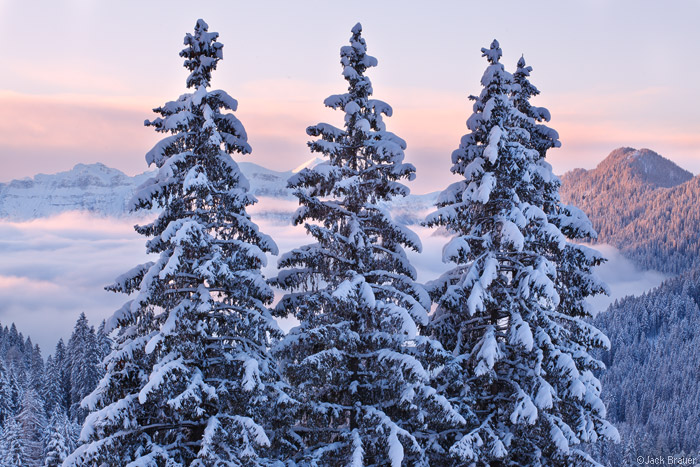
{"x":80,"y":77}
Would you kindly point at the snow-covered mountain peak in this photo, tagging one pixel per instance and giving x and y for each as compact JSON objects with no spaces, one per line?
{"x":84,"y":175}
{"x":310,"y":164}
{"x":266,"y":182}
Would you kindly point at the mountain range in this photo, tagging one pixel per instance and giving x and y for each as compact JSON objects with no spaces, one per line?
{"x":94,"y":188}
{"x":105,"y":191}
{"x":638,"y":201}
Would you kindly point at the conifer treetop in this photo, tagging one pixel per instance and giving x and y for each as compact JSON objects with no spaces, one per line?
{"x":524,"y":90}
{"x":356,"y":61}
{"x":201,"y":54}
{"x":493,"y":54}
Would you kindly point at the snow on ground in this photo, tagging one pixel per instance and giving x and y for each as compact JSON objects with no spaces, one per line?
{"x":52,"y":269}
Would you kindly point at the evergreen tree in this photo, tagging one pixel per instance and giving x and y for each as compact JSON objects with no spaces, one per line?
{"x":540,"y":137}
{"x":511,"y":310}
{"x":14,"y":358}
{"x":6,"y":411}
{"x":59,"y":439}
{"x":37,"y":369}
{"x":62,"y":367}
{"x":104,"y":343}
{"x":358,"y":365}
{"x":12,"y":450}
{"x":14,"y":338}
{"x":16,"y":392}
{"x":50,"y":390}
{"x":84,"y":365}
{"x":190,"y":381}
{"x":32,"y":423}
{"x":28,"y":354}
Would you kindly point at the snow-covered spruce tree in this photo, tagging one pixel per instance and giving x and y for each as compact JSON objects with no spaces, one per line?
{"x":55,"y":391}
{"x":6,"y":412}
{"x":62,"y":363}
{"x":359,"y":368}
{"x":190,"y":380}
{"x":540,"y":136}
{"x":84,"y":365}
{"x":36,"y":369}
{"x":15,"y":390}
{"x":58,"y":439}
{"x":511,"y":310}
{"x":104,"y":343}
{"x":570,"y":220}
{"x":32,"y":423}
{"x":12,"y":450}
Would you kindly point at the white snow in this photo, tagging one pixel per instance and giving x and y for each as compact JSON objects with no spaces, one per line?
{"x":357,"y":451}
{"x":454,"y":249}
{"x":525,"y":410}
{"x":491,"y":150}
{"x":488,"y":353}
{"x":512,"y":236}
{"x":559,"y":439}
{"x":544,"y":397}
{"x":250,"y":374}
{"x":483,"y":193}
{"x":395,"y":448}
{"x":521,"y":333}
{"x":158,"y":375}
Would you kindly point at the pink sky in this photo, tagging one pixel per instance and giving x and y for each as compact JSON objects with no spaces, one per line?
{"x":80,"y":78}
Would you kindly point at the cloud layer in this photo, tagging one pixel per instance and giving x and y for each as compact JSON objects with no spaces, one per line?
{"x":53,"y":269}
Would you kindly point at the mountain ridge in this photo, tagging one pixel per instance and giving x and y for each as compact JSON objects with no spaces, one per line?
{"x":643,"y":204}
{"x":647,"y":166}
{"x":94,"y":188}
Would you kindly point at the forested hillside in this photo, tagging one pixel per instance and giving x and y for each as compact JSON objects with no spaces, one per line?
{"x":643,"y":204}
{"x":651,"y":384}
